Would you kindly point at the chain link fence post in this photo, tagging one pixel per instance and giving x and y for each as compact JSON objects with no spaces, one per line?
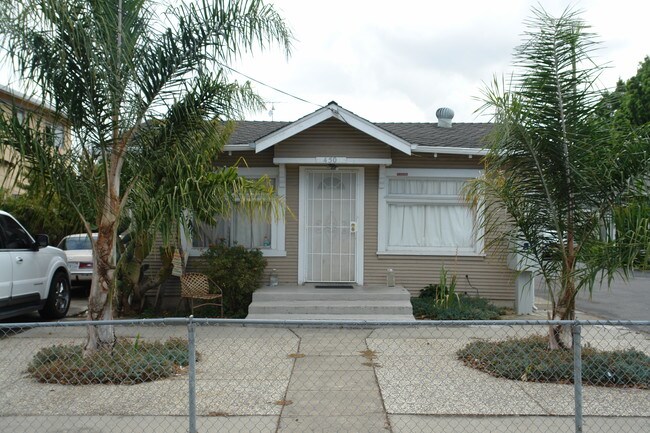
{"x":191,"y":347}
{"x":577,"y":374}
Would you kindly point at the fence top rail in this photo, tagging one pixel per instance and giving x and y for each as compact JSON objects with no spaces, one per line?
{"x":323,"y":323}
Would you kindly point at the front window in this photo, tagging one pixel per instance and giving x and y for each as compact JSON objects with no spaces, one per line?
{"x":422,"y":212}
{"x":237,"y":230}
{"x":241,"y":229}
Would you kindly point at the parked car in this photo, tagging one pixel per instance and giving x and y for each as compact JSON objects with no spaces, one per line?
{"x":33,"y":275}
{"x":79,"y":251}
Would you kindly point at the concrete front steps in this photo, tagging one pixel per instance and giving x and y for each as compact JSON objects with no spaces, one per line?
{"x":371,"y":303}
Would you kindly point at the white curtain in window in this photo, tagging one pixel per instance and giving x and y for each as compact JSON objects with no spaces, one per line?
{"x":204,"y":234}
{"x":250,"y":233}
{"x":428,"y":187}
{"x":430,"y":225}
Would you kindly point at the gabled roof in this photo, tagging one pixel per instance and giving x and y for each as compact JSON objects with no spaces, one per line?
{"x":461,"y":138}
{"x":332,"y":110}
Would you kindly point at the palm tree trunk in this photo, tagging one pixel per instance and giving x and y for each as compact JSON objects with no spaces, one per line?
{"x":100,"y":300}
{"x":560,"y":335}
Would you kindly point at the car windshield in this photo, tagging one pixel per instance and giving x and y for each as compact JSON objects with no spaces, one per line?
{"x":76,"y":243}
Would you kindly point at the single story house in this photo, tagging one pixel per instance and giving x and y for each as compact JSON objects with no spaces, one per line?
{"x":366,"y":197}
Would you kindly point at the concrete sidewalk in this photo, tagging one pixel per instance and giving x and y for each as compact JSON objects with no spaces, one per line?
{"x":277,"y":379}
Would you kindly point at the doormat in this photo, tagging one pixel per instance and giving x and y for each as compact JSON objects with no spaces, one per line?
{"x":334,"y":286}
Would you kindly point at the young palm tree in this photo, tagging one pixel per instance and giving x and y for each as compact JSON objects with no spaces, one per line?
{"x":554,"y":169}
{"x":117,"y":70}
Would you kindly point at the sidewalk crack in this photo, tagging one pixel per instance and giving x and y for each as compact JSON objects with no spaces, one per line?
{"x":286,"y":391}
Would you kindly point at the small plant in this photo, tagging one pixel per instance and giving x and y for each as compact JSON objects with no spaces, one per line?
{"x":444,"y":292}
{"x":462,"y":307}
{"x":239,"y":272}
{"x":530,"y":359}
{"x":127,"y":363}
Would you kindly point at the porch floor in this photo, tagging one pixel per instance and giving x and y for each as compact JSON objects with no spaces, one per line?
{"x":286,"y":302}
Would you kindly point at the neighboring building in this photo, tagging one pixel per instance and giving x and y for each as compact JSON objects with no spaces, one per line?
{"x":27,"y":107}
{"x":366,"y":197}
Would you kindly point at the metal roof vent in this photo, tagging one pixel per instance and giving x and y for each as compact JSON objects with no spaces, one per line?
{"x":444,"y":116}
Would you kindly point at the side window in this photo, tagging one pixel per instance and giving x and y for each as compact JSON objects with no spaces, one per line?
{"x":16,"y":238}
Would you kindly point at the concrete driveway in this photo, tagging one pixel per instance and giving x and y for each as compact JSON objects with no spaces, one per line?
{"x":623,"y":300}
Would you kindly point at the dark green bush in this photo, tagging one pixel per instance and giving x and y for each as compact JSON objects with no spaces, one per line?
{"x":462,"y":307}
{"x":530,"y":359}
{"x":128,"y":363}
{"x":239,"y":271}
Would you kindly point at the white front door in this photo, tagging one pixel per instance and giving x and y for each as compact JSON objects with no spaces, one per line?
{"x":331,"y":223}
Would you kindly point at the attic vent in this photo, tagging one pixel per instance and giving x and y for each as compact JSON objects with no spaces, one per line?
{"x":444,"y":116}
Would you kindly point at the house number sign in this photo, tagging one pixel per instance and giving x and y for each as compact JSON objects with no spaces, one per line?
{"x":332,"y":159}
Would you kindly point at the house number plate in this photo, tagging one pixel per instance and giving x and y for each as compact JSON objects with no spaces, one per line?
{"x":332,"y":159}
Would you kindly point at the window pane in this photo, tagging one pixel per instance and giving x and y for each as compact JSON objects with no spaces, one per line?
{"x":428,"y":225}
{"x":250,"y":232}
{"x":415,"y":187}
{"x":205,"y":234}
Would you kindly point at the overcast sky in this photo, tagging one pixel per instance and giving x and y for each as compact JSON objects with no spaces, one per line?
{"x":398,"y":61}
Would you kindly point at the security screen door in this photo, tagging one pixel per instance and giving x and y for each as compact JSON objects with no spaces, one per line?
{"x":331,"y":225}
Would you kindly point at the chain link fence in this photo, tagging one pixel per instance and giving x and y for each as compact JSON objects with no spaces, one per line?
{"x":254,"y":376}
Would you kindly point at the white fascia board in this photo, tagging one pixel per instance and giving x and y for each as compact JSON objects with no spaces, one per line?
{"x":336,"y":160}
{"x":373,"y":130}
{"x":293,"y":128}
{"x":238,"y":147}
{"x":450,"y":150}
{"x":333,"y":110}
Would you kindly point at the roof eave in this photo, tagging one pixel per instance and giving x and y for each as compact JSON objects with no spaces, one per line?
{"x":450,"y":150}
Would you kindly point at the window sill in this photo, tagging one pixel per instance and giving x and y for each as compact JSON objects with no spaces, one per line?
{"x":445,"y":253}
{"x":197,"y":252}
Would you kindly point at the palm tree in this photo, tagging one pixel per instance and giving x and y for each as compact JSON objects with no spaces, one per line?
{"x":168,"y":191}
{"x":554,"y":169}
{"x":116,"y":70}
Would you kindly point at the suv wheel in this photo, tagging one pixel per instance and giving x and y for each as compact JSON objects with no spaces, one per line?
{"x":58,"y":298}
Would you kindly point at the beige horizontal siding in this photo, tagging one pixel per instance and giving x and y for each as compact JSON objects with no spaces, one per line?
{"x":332,"y":138}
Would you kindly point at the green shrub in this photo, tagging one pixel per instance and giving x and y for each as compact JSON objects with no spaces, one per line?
{"x":461,"y":307}
{"x":239,"y":271}
{"x":530,"y":359}
{"x":127,"y":363}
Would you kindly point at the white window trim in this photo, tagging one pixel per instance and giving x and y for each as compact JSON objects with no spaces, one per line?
{"x":382,"y":212}
{"x":278,"y":248}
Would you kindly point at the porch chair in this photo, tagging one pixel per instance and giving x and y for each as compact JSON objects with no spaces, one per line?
{"x":197,"y":286}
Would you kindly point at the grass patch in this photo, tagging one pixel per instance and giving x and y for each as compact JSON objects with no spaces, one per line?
{"x":457,"y":308}
{"x":530,"y":360}
{"x":128,"y":363}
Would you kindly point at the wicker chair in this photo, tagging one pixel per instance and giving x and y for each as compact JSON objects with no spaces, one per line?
{"x":197,"y":286}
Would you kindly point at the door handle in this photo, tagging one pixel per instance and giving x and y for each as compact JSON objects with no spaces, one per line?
{"x":353,"y":226}
{"x":19,"y":259}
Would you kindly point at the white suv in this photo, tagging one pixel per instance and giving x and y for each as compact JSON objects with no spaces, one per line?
{"x":33,"y":275}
